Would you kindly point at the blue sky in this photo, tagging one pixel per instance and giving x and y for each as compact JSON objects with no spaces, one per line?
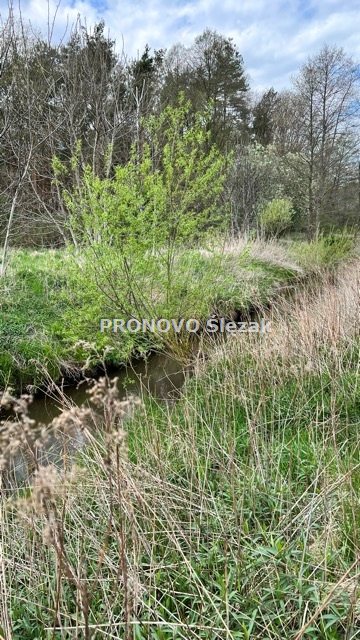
{"x":273,"y":36}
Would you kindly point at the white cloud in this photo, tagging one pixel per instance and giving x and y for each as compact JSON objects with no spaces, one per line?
{"x":273,"y":37}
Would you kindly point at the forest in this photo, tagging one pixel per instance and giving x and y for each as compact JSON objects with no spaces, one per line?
{"x":82,"y":105}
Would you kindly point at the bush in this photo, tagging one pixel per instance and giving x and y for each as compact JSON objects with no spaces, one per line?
{"x":325,"y":252}
{"x":275,"y":217}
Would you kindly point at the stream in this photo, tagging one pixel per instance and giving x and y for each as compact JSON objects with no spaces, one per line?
{"x":159,"y":375}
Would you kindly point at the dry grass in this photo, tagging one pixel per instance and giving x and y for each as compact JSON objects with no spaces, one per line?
{"x":232,"y":515}
{"x":269,"y":251}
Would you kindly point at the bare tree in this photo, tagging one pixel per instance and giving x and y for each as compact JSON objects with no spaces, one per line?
{"x":67,"y":101}
{"x":326,"y":90}
{"x":26,"y":90}
{"x":21,"y":144}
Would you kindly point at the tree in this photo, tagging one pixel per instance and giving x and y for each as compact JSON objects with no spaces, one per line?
{"x":263,"y":114}
{"x":144,"y":85}
{"x":90,"y":95}
{"x":254,"y":179}
{"x":212,"y":75}
{"x":55,"y":99}
{"x":152,"y":206}
{"x":326,"y":89}
{"x":21,"y":135}
{"x":287,"y":129}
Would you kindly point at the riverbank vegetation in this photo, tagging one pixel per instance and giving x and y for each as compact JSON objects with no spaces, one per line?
{"x":151,"y":241}
{"x":52,"y":301}
{"x":232,"y":514}
{"x":132,"y":178}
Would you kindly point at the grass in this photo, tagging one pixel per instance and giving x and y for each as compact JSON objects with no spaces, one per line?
{"x":52,"y":301}
{"x":233,"y":514}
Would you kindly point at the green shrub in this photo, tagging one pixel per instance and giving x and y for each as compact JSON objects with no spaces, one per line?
{"x":275,"y":216}
{"x":327,"y":251}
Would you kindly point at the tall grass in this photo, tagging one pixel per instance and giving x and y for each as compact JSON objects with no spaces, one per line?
{"x":233,"y":514}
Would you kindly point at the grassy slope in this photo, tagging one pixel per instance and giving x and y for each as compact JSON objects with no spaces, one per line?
{"x":236,"y":514}
{"x":50,"y":304}
{"x":50,"y":309}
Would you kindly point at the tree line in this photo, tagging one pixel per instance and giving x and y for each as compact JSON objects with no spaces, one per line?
{"x":81,"y":103}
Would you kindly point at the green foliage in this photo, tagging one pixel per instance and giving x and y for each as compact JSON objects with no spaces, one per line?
{"x":212,"y":76}
{"x":52,"y":301}
{"x":167,"y":197}
{"x":264,"y":110}
{"x":327,"y":251}
{"x":168,"y":193}
{"x":259,"y":175}
{"x":275,"y":217}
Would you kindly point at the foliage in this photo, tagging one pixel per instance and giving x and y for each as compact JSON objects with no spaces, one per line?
{"x":257,"y":176}
{"x":327,"y":251}
{"x":52,"y":301}
{"x":264,"y":117}
{"x":167,"y":196}
{"x":232,"y":514}
{"x":211,"y":75}
{"x":275,"y":216}
{"x":164,"y":196}
{"x":51,"y":305}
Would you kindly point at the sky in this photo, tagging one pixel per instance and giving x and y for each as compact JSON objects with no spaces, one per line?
{"x":274,"y":36}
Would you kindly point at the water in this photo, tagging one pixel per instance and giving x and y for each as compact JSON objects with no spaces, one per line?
{"x":160,"y":375}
